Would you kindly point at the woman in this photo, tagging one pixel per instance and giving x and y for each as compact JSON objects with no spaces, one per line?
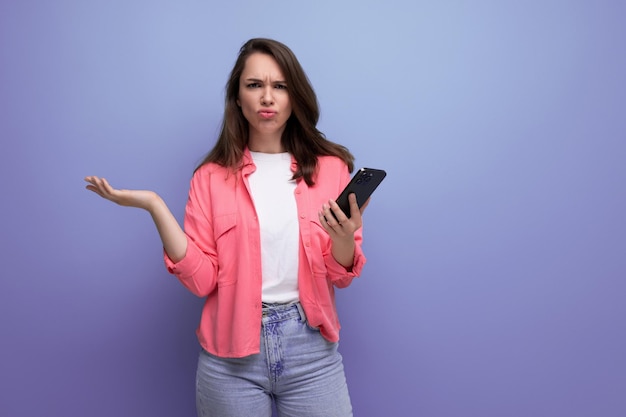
{"x":266,"y":244}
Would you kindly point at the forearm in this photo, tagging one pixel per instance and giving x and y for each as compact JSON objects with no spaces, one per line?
{"x":172,"y":235}
{"x":343,"y":251}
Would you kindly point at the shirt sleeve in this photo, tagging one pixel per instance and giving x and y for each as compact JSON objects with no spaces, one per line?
{"x":197,"y":271}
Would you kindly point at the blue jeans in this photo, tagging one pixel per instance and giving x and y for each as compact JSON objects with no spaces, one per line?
{"x":297,"y":369}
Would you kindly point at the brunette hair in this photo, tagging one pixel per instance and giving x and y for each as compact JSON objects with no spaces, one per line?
{"x":301,"y":137}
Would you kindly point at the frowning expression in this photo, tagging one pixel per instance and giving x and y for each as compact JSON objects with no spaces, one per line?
{"x":263,"y":97}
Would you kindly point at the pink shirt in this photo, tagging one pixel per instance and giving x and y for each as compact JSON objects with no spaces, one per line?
{"x":223,"y":259}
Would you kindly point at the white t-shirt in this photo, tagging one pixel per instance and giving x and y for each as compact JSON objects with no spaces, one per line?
{"x":273,"y":194}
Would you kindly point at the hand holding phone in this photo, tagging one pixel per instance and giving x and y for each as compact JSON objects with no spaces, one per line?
{"x":362,"y":184}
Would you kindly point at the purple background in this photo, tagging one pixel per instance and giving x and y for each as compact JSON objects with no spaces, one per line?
{"x":495,"y":283}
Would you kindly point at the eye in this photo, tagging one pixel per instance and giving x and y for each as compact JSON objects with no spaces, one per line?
{"x":253,"y":85}
{"x":280,"y":86}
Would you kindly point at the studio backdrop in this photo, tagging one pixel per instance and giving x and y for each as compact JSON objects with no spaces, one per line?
{"x":496,"y":246}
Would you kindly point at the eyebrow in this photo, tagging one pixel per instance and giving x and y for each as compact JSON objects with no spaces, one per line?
{"x":256,"y":80}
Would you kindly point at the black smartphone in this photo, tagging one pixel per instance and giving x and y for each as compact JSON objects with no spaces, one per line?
{"x":363,"y":184}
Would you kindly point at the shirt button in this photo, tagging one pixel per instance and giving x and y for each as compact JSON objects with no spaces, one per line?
{"x":307,"y":244}
{"x":303,"y":216}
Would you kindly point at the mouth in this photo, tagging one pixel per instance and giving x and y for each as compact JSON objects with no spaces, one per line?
{"x":267,"y":114}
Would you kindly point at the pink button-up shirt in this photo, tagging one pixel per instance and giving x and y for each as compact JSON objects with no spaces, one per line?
{"x":223,"y":259}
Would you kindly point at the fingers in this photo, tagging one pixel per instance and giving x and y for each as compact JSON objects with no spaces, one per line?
{"x":362,"y":209}
{"x":100,"y":186}
{"x":354,"y":206}
{"x":93,"y":184}
{"x":329,"y":220}
{"x":106,"y":187}
{"x":95,"y":181}
{"x":334,"y":220}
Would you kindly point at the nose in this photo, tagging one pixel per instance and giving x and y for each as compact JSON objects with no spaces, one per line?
{"x":266,"y":97}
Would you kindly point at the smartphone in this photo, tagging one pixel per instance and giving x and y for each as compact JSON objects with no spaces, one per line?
{"x":363,"y":184}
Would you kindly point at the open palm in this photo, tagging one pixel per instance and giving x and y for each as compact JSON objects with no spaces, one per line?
{"x":129,"y":198}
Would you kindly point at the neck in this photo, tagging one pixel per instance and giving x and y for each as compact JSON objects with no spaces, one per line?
{"x":265,"y":144}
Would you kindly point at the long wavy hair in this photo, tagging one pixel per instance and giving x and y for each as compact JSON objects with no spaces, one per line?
{"x":301,"y":138}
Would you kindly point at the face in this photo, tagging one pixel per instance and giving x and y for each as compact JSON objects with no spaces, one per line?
{"x":264,"y":102}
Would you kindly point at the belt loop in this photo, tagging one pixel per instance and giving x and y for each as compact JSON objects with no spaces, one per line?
{"x":301,"y":311}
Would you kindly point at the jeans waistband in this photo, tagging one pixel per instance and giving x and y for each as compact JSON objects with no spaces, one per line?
{"x":278,"y":312}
